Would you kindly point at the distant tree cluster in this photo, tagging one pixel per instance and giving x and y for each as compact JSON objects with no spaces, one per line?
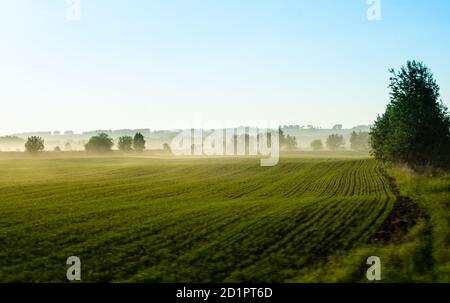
{"x":317,"y":145}
{"x":312,"y":127}
{"x":99,"y":144}
{"x":34,"y":144}
{"x":359,"y":141}
{"x":11,"y":139}
{"x":125,"y":143}
{"x":138,"y":142}
{"x":166,"y":148}
{"x":287,"y":142}
{"x":102,"y":143}
{"x":335,"y":142}
{"x":415,"y":128}
{"x":292,"y":127}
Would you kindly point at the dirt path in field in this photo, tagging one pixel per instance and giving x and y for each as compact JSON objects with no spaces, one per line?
{"x":405,"y":214}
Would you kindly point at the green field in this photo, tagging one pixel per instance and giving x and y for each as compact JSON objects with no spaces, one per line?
{"x":149,"y":219}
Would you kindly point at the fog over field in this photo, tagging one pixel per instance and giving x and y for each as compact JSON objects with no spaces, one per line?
{"x":69,"y":140}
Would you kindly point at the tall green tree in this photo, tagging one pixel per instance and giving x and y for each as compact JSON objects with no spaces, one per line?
{"x":125,"y":143}
{"x":335,"y":141}
{"x":34,"y":144}
{"x":99,"y":144}
{"x":138,"y":142}
{"x":415,"y":128}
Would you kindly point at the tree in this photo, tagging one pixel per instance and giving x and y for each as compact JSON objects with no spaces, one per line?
{"x":334,"y":141}
{"x":359,"y":141}
{"x":317,"y":144}
{"x":281,"y":136}
{"x":337,"y":127}
{"x":290,"y":142}
{"x":34,"y":144}
{"x":166,"y":148}
{"x":287,"y":142}
{"x":125,"y":143}
{"x":67,"y":146}
{"x":415,"y":128}
{"x":57,"y":149}
{"x":99,"y":144}
{"x":138,"y":142}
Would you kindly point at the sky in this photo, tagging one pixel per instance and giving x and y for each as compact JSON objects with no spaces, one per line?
{"x":154,"y":63}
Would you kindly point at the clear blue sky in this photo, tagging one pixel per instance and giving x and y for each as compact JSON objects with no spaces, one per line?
{"x":147,"y":63}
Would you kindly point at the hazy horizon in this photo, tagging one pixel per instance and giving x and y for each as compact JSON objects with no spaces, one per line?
{"x":145,"y":64}
{"x":61,"y":131}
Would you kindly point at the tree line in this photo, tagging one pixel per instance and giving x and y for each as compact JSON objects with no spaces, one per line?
{"x":359,"y":141}
{"x":100,"y":143}
{"x":104,"y":143}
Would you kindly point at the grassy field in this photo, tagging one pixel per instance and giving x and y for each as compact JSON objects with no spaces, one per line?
{"x":149,"y":219}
